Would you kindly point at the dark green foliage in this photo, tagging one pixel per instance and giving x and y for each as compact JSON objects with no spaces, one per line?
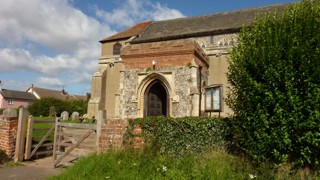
{"x":42,"y":107}
{"x":3,"y":156}
{"x":179,"y":136}
{"x":275,"y":76}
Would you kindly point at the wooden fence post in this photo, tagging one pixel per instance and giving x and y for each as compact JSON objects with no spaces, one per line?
{"x":29,"y":138}
{"x":98,"y":131}
{"x":21,"y":135}
{"x":56,"y":141}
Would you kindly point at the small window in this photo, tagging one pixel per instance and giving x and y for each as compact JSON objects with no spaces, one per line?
{"x":213,"y":98}
{"x":116,"y":48}
{"x":10,"y":101}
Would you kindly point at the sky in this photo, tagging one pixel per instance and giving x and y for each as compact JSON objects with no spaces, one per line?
{"x":54,"y":44}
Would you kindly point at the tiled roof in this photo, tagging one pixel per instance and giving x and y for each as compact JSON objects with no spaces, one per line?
{"x":12,"y":94}
{"x":49,"y":93}
{"x":203,"y":25}
{"x":132,"y":31}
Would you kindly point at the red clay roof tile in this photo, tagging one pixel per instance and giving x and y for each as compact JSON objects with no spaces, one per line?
{"x":132,"y":31}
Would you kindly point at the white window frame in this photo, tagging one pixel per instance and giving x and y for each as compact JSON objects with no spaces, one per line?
{"x":10,"y":101}
{"x":213,"y":98}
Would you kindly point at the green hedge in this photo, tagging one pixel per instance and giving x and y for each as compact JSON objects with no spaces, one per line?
{"x":275,"y":78}
{"x":42,"y":107}
{"x":178,"y":136}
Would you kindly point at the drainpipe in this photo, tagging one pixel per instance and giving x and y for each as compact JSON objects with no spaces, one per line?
{"x":200,"y":88}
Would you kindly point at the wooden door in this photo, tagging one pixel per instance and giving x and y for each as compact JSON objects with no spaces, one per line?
{"x":156,"y":101}
{"x":155,"y":105}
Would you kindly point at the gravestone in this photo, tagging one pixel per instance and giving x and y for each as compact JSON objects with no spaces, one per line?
{"x":52,"y":111}
{"x":75,"y":115}
{"x":64,"y":115}
{"x":10,"y":112}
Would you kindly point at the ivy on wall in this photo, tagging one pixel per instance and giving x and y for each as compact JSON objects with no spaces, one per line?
{"x":179,"y":136}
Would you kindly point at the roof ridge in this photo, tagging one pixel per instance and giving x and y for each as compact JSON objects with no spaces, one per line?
{"x":46,"y":89}
{"x":204,"y":25}
{"x":224,"y":12}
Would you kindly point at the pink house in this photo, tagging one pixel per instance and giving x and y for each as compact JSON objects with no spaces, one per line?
{"x":14,"y":99}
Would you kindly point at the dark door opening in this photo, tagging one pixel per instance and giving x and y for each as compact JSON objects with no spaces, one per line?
{"x":156,"y":100}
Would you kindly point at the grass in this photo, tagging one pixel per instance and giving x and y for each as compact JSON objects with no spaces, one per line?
{"x":39,"y":133}
{"x":144,"y":164}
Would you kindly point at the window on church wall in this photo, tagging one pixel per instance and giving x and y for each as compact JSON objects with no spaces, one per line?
{"x":213,"y":98}
{"x":117,"y":48}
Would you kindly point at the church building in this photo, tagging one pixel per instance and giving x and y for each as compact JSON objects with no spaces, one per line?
{"x":171,"y":68}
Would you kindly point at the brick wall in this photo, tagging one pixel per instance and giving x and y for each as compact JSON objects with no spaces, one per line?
{"x":165,"y":53}
{"x":111,"y":135}
{"x":8,"y":132}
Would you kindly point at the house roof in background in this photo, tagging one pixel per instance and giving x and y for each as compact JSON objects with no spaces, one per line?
{"x":49,"y":93}
{"x":12,"y":94}
{"x":226,"y":22}
{"x":132,"y":31}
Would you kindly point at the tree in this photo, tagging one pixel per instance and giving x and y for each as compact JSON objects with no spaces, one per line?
{"x":274,"y":74}
{"x":42,"y":107}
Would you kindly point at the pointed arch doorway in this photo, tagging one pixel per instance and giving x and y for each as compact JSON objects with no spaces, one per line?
{"x":156,"y":100}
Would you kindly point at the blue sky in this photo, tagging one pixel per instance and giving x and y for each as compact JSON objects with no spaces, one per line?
{"x":54,"y":43}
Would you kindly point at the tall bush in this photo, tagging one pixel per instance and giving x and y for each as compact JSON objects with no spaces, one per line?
{"x":275,"y":95}
{"x":42,"y":107}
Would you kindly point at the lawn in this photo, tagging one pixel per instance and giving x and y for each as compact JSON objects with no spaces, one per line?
{"x":37,"y":134}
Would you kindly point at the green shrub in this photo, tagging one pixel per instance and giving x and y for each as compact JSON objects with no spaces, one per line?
{"x":3,"y":156}
{"x":179,"y":136}
{"x":42,"y":107}
{"x":275,"y":94}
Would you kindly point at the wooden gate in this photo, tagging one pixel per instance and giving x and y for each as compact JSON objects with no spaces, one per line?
{"x":67,"y":139}
{"x":39,"y":138}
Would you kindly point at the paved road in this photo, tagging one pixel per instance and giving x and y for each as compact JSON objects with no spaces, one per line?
{"x":27,"y":173}
{"x":32,"y":170}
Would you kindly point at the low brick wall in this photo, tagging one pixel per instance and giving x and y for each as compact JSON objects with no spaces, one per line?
{"x":8,"y":133}
{"x":112,"y":135}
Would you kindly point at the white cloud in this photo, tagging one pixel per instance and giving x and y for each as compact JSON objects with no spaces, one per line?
{"x":51,"y":82}
{"x":59,"y":42}
{"x":13,"y":59}
{"x":133,"y":11}
{"x":70,"y":37}
{"x":54,"y":24}
{"x":162,"y":12}
{"x":15,"y":85}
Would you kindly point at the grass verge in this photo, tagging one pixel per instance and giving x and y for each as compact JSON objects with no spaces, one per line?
{"x":144,"y":164}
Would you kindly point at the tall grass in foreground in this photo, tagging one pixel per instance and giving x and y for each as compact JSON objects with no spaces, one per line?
{"x":144,"y":164}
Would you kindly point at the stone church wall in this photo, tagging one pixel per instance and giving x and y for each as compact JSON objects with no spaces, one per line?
{"x":180,"y":99}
